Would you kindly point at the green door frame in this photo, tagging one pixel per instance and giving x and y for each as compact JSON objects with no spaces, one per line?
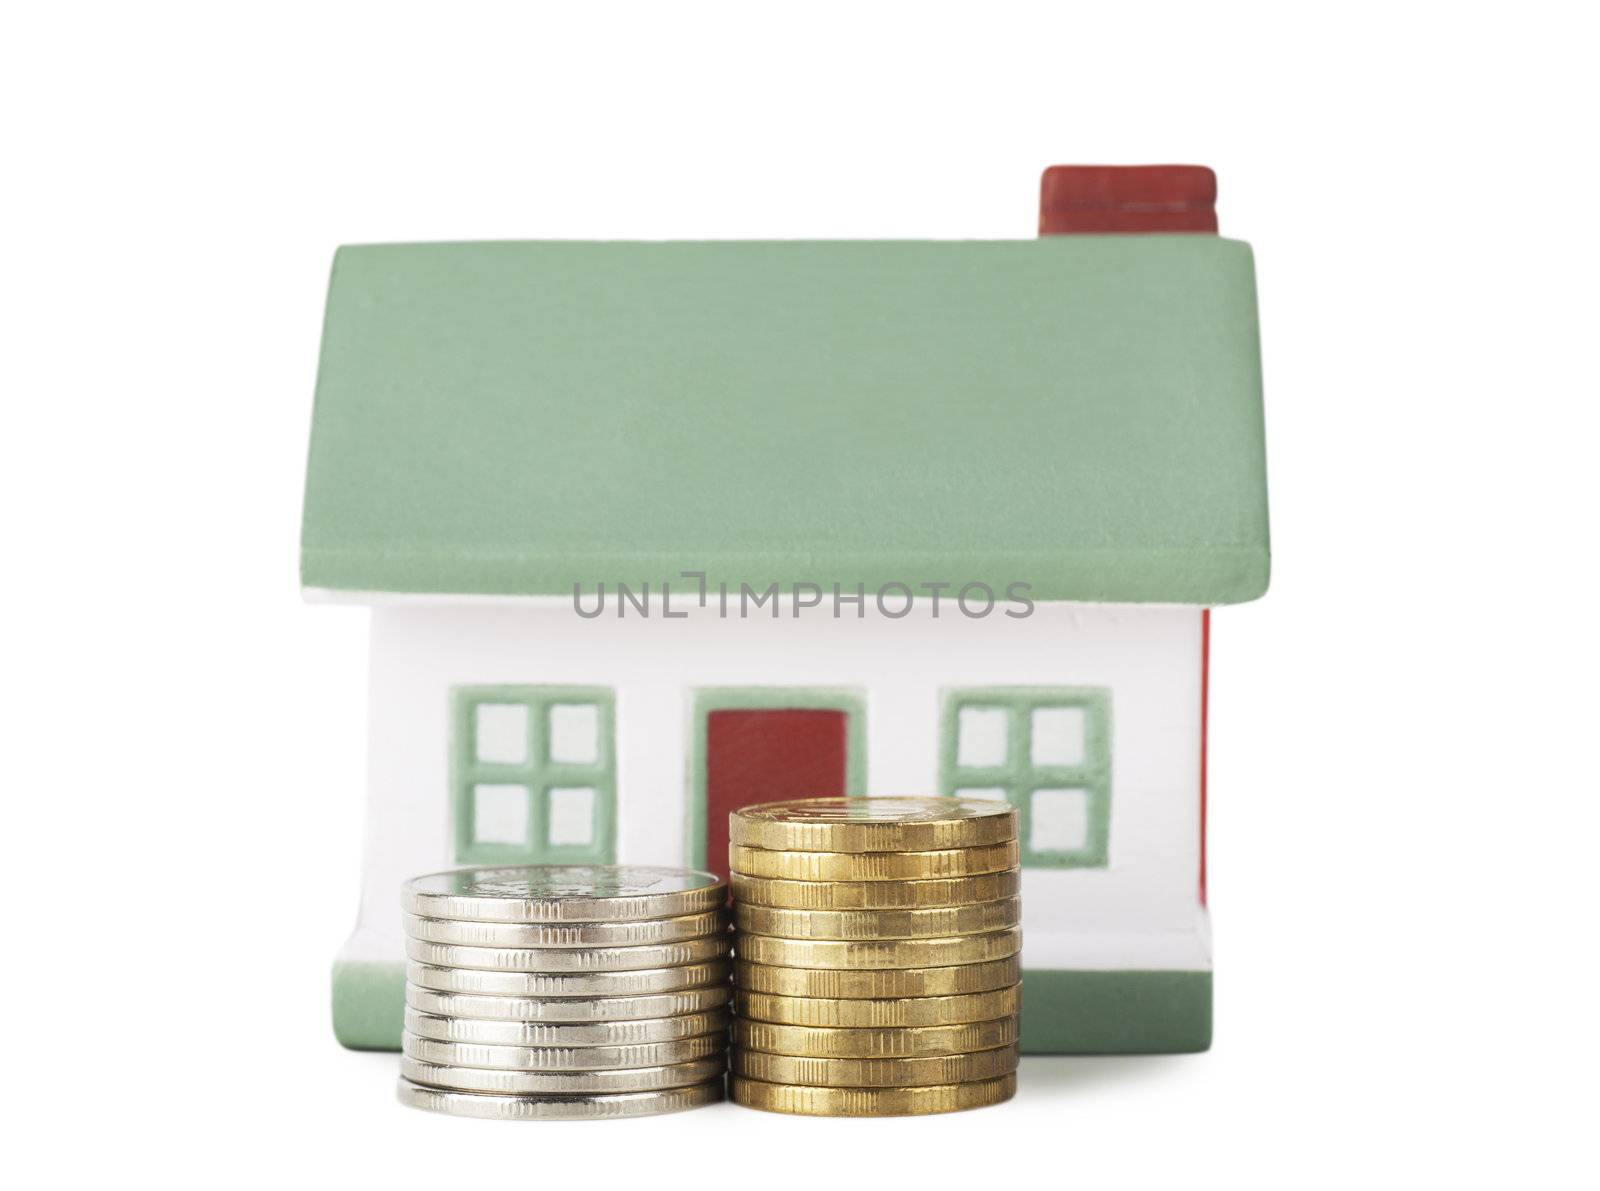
{"x":851,"y":701}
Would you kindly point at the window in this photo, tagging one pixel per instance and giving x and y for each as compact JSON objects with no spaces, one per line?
{"x":1046,"y":750}
{"x":533,"y":774}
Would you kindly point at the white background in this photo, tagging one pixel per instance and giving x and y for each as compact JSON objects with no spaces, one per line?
{"x":1404,"y":750}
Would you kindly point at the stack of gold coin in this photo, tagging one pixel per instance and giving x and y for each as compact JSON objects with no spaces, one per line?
{"x":877,"y":968}
{"x":562,"y":992}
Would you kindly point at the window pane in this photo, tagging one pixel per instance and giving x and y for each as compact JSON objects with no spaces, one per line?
{"x":1058,"y":736}
{"x":575,"y":733}
{"x":1059,"y":821}
{"x":981,"y":737}
{"x":993,"y":792}
{"x":499,"y":814}
{"x":502,"y":733}
{"x":571,"y":815}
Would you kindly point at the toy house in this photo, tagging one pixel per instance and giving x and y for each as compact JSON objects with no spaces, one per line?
{"x":653,"y":530}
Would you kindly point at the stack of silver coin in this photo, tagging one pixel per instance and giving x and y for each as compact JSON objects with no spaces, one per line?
{"x":561,"y":992}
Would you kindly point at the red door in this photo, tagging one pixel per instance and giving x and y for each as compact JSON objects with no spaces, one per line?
{"x":762,"y":756}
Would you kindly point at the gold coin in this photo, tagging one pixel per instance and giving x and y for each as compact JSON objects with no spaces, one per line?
{"x":875,"y":895}
{"x":878,"y":924}
{"x":887,"y":953}
{"x":873,"y":824}
{"x":869,"y":1102}
{"x":872,"y":866}
{"x":874,"y":1073}
{"x":904,"y":1011}
{"x":882,"y":983}
{"x":831,"y":1042}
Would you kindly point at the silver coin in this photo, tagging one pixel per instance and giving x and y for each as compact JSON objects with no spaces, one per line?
{"x":564,"y":893}
{"x":574,"y":1010}
{"x":563,"y":1058}
{"x":560,"y":1083}
{"x":569,"y":984}
{"x":583,"y":1034}
{"x":551,"y":960}
{"x":642,"y":932}
{"x":557,"y":1108}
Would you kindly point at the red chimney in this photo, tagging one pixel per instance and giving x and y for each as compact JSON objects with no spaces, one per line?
{"x":1076,"y":199}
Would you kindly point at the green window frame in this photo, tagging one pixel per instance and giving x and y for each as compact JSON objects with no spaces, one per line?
{"x":1023,"y":779}
{"x":526,"y":715}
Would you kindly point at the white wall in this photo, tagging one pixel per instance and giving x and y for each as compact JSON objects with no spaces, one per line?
{"x":1140,"y":911}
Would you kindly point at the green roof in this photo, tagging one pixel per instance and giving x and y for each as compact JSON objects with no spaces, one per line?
{"x":1080,"y":413}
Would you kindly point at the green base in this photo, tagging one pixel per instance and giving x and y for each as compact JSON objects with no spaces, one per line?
{"x":1115,"y":1013}
{"x":369,"y":1004}
{"x":1063,"y":1013}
